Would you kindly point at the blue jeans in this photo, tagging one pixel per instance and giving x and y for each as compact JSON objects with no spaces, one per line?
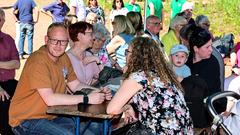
{"x":26,"y":29}
{"x":57,"y":126}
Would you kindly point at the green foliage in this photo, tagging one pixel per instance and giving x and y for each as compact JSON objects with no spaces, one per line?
{"x":223,"y":15}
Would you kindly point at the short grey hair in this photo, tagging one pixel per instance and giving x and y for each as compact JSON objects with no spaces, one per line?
{"x":176,"y":21}
{"x":100,"y":31}
{"x":200,"y":19}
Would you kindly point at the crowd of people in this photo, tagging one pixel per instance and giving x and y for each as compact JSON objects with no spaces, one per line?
{"x":157,"y":72}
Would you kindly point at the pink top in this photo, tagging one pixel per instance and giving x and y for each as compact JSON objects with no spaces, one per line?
{"x":237,"y":51}
{"x":8,"y":51}
{"x":85,"y":73}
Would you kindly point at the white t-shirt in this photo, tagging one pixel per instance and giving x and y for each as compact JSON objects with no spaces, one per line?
{"x":113,"y":13}
{"x":80,"y":9}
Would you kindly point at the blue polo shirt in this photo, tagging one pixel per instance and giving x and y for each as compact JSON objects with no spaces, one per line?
{"x":57,"y":10}
{"x":25,"y":9}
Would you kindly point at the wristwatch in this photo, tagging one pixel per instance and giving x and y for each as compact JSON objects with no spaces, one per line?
{"x":85,"y":99}
{"x":99,"y":63}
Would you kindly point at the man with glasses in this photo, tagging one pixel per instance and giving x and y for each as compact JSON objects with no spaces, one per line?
{"x":153,"y":27}
{"x":46,"y":78}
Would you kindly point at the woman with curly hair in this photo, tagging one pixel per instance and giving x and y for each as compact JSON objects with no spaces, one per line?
{"x":151,"y":86}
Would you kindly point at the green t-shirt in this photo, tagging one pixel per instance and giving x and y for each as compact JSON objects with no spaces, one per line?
{"x":158,"y":6}
{"x":135,"y":7}
{"x":176,"y":7}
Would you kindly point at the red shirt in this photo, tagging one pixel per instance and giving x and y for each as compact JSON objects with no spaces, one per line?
{"x":8,"y":51}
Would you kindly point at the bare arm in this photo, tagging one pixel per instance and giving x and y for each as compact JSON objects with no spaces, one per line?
{"x":12,"y":64}
{"x":73,"y":10}
{"x":51,"y":98}
{"x":114,"y":44}
{"x":47,"y":13}
{"x":123,"y":95}
{"x":14,"y":12}
{"x":35,"y":15}
{"x":76,"y":85}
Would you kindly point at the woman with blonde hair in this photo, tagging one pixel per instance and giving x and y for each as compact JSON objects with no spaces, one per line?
{"x":136,"y":20}
{"x":153,"y":89}
{"x":123,"y":33}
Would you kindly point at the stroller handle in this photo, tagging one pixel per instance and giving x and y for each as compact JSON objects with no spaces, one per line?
{"x":211,"y":109}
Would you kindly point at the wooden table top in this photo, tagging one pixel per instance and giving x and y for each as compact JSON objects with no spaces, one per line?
{"x":92,"y":111}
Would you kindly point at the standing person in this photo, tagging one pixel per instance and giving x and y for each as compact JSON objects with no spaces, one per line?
{"x":78,"y":8}
{"x":9,"y":62}
{"x":176,"y":6}
{"x":187,"y":12}
{"x":56,"y":10}
{"x":26,"y":9}
{"x":154,"y":90}
{"x":155,"y":7}
{"x":117,"y":9}
{"x":45,"y":79}
{"x":133,"y":6}
{"x":95,"y":8}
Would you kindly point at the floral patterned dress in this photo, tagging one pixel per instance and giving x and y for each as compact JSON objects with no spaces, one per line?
{"x":161,"y":108}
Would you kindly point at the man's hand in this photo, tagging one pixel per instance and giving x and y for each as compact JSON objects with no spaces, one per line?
{"x":3,"y":95}
{"x":96,"y":98}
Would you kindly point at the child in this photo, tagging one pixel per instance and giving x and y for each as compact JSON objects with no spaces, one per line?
{"x":178,"y":57}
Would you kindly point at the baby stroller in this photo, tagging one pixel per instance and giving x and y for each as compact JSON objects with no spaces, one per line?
{"x":226,"y":124}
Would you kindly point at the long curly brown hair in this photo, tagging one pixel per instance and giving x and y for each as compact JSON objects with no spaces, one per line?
{"x":147,"y":56}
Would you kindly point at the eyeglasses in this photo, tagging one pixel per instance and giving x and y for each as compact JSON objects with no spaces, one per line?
{"x":90,"y":33}
{"x":91,"y":20}
{"x":155,"y":23}
{"x":99,"y":39}
{"x":127,"y":52}
{"x":56,"y":41}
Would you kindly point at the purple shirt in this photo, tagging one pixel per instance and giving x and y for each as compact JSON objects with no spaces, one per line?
{"x":25,"y":10}
{"x":8,"y":51}
{"x":58,"y":11}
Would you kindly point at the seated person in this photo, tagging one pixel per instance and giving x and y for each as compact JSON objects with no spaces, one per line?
{"x":81,"y":33}
{"x":123,"y":33}
{"x":47,"y":76}
{"x":178,"y":57}
{"x":9,"y":62}
{"x":151,"y":86}
{"x":91,"y":18}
